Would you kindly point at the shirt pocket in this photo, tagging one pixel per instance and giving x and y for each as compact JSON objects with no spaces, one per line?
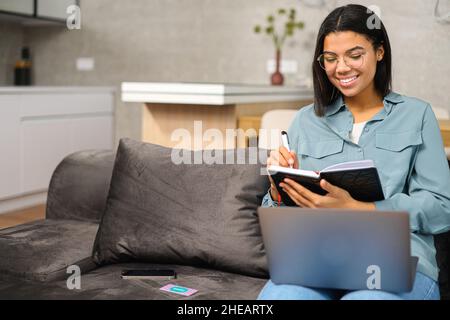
{"x":398,"y":141}
{"x":395,"y":154}
{"x":317,"y":155}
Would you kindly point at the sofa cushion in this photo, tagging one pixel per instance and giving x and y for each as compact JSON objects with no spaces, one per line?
{"x":192,"y":214}
{"x":42,"y":250}
{"x":105,"y":283}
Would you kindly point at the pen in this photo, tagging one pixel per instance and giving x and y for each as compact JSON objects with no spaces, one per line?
{"x":285,"y":142}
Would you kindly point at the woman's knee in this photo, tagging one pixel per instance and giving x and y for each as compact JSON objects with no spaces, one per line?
{"x":424,"y":288}
{"x":272,"y":291}
{"x":370,"y":295}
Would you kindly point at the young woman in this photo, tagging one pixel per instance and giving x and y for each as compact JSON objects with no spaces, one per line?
{"x":356,"y":116}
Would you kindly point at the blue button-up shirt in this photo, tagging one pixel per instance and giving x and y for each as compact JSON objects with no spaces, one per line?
{"x":405,"y":143}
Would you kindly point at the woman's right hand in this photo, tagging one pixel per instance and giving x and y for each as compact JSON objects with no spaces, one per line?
{"x":283,"y":158}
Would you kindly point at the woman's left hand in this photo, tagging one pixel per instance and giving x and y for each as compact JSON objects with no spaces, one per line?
{"x":335,"y":198}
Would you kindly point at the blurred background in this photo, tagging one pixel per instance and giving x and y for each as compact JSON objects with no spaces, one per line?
{"x":74,"y":79}
{"x":213,"y":41}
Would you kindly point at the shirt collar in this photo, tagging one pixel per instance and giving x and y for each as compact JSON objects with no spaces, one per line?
{"x":338,"y":104}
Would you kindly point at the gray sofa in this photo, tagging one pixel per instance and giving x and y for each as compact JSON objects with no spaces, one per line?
{"x":34,"y":256}
{"x":95,"y":197}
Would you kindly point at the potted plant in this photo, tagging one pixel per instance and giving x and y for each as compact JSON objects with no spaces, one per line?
{"x":290,"y":24}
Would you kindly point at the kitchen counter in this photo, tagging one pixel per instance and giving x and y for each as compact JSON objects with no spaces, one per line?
{"x":210,"y":93}
{"x":57,"y":89}
{"x":170,"y":109}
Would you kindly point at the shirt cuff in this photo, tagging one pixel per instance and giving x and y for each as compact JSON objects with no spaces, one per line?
{"x":268,"y":201}
{"x":384,"y":205}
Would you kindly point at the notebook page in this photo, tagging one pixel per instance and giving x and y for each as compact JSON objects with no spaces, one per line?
{"x":351,"y":165}
{"x":299,"y":172}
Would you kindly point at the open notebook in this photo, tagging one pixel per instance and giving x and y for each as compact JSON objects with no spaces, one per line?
{"x":359,"y":178}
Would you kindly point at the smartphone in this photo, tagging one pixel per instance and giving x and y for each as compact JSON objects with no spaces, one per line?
{"x":149,"y":274}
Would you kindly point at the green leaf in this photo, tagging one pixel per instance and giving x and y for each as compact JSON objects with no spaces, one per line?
{"x":292,"y":14}
{"x":257,"y":29}
{"x":300,"y":25}
{"x":270,"y":18}
{"x":290,"y":25}
{"x":269,"y":30}
{"x":281,"y":11}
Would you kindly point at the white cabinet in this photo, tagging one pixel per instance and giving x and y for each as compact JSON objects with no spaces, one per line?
{"x":55,"y":9}
{"x":44,"y":144}
{"x":42,"y":12}
{"x":9,"y":146}
{"x":18,"y":6}
{"x":39,"y":127}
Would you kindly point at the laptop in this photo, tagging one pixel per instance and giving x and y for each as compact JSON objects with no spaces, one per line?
{"x":339,"y":249}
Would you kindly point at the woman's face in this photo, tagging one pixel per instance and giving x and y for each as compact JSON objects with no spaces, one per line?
{"x":357,"y":74}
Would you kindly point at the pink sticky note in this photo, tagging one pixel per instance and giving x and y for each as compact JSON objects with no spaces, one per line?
{"x":178,"y":290}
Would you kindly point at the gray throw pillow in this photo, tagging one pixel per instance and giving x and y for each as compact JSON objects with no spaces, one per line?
{"x":192,"y":214}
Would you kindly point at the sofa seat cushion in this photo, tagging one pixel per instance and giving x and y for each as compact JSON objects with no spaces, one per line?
{"x":42,"y":250}
{"x":199,"y":214}
{"x":106,"y":283}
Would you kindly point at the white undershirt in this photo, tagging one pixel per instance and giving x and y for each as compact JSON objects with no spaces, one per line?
{"x":357,"y":131}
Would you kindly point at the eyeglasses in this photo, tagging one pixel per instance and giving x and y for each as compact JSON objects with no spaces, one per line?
{"x":329,"y":61}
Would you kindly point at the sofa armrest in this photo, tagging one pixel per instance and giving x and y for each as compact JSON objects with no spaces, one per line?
{"x":79,"y":186}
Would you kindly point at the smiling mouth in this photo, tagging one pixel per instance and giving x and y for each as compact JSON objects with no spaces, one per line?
{"x":348,"y":81}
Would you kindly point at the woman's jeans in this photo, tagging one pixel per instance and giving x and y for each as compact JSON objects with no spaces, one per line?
{"x":424,"y":288}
